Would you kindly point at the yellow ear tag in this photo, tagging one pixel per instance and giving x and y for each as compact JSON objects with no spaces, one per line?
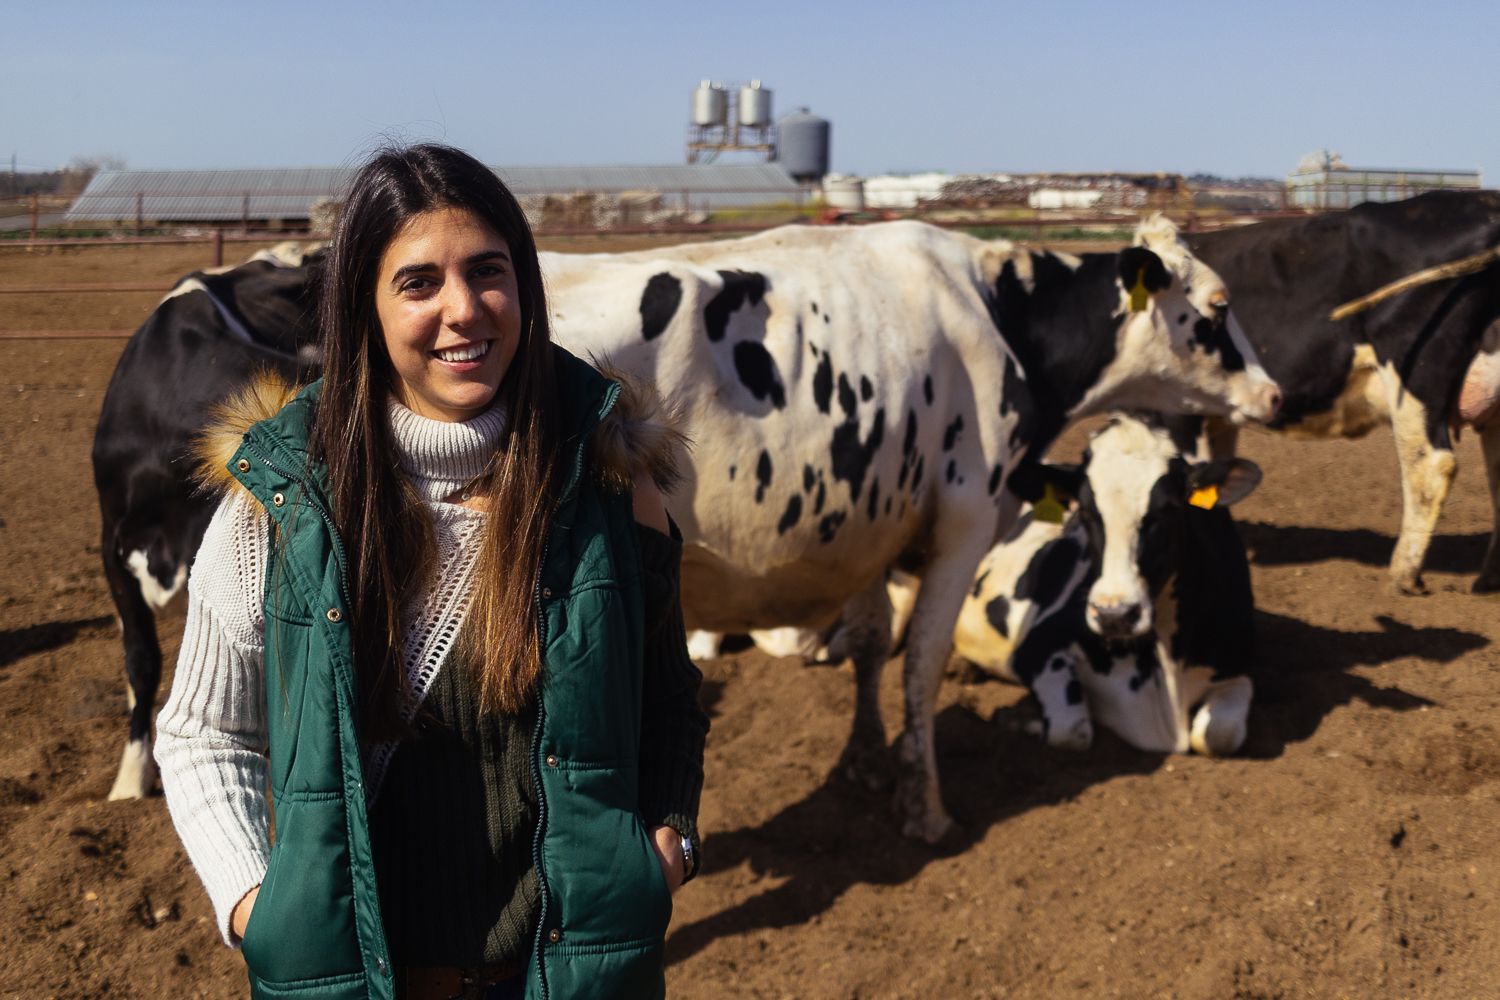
{"x":1048,"y":509}
{"x":1139,"y":297}
{"x":1205,"y":497}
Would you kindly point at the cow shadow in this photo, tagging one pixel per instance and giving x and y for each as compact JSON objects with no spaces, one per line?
{"x":843,"y":835}
{"x":1304,"y":673}
{"x":16,"y":643}
{"x":1288,"y":545}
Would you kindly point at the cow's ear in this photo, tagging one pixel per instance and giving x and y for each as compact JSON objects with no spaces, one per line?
{"x":1223,"y":482}
{"x":1142,"y":268}
{"x":1031,"y":479}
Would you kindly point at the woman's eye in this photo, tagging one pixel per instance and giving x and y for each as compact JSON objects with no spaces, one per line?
{"x":489,"y":271}
{"x":415,"y":284}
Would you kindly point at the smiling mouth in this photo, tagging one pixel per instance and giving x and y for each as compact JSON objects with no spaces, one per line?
{"x":467,"y":352}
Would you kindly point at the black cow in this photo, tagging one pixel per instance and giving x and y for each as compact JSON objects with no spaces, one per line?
{"x":1403,"y":361}
{"x":1137,"y":613}
{"x":202,"y":342}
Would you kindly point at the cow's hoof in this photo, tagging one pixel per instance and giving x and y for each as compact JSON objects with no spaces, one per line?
{"x":931,"y":829}
{"x":1077,"y":737}
{"x":137,"y":777}
{"x":1409,"y":586}
{"x":1486,"y":585}
{"x":867,"y":765}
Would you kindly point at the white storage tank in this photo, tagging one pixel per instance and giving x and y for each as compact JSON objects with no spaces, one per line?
{"x":802,"y":146}
{"x":710,"y":105}
{"x":755,"y":105}
{"x":844,"y":192}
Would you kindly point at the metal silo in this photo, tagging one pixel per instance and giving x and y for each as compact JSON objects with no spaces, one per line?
{"x":803,"y":146}
{"x":710,"y":105}
{"x":755,"y":105}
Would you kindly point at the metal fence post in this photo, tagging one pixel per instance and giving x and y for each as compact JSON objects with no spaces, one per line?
{"x":140,"y":211}
{"x":218,"y":247}
{"x":35,"y":210}
{"x":245,"y":214}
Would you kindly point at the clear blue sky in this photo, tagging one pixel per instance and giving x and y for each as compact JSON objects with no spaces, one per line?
{"x":1236,"y":89}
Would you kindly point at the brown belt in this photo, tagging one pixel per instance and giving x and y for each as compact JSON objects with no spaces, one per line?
{"x":450,"y":982}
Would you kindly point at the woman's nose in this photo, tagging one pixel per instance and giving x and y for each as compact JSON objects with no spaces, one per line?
{"x":460,"y":304}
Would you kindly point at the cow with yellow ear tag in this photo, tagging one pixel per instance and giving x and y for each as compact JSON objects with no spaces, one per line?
{"x":1136,"y":611}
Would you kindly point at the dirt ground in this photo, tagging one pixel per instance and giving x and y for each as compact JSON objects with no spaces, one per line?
{"x":1348,"y":852}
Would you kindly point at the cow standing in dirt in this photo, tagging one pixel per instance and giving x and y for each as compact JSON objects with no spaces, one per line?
{"x":1421,"y":360}
{"x":860,"y":395}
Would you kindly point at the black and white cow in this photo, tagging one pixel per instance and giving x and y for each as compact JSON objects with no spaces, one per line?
{"x":1137,"y":612}
{"x":1420,"y":361}
{"x":203,"y":341}
{"x":859,"y":395}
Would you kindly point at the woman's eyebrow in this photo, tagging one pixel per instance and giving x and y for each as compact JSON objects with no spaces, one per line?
{"x":483,"y":255}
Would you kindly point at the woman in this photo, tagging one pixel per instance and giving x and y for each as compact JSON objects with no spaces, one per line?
{"x":441,"y":594}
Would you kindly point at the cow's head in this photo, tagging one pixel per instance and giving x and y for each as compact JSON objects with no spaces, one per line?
{"x":1134,"y":492}
{"x":1181,"y":350}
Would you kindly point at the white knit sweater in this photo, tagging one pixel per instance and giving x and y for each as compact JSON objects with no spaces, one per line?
{"x":211,"y":734}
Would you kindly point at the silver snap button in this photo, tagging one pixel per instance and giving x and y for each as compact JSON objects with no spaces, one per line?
{"x":551,"y":760}
{"x":335,"y":615}
{"x":278,"y":499}
{"x":554,"y":935}
{"x":243,"y":465}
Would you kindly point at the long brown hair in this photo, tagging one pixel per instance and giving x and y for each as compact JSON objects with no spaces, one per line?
{"x":387,"y":535}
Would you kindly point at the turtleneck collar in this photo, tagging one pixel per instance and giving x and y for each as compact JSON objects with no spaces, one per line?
{"x":441,"y":457}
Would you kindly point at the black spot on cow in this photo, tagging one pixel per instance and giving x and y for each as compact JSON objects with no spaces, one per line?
{"x":808,"y":478}
{"x":1137,"y":264}
{"x":762,"y":476}
{"x":732,"y":470}
{"x":873,"y":507}
{"x":1074,"y":692}
{"x":866,"y":390}
{"x":1047,"y":575}
{"x":1181,"y":319}
{"x":887,"y":506}
{"x":849,"y":456}
{"x":979,"y":584}
{"x":846,"y":396}
{"x":916,"y":476}
{"x":815,"y":308}
{"x":952,"y":431}
{"x":995,"y":479}
{"x":791,"y":515}
{"x":927,"y":389}
{"x":951,"y":471}
{"x":739,"y":288}
{"x":757,"y":372}
{"x":659,"y":304}
{"x":996,"y":612}
{"x":1214,"y":337}
{"x":822,"y":384}
{"x":827,"y":318}
{"x":909,"y":441}
{"x":822,"y":496}
{"x":829,"y":526}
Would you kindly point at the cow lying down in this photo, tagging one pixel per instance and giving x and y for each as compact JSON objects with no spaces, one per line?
{"x":1136,"y":611}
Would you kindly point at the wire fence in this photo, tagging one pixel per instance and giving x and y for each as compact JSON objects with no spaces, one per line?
{"x":582,"y":220}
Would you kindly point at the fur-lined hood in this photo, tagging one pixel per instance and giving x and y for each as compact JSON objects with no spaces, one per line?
{"x":640,"y":435}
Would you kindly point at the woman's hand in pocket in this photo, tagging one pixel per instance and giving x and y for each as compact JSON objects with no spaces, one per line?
{"x":239,"y":917}
{"x":668,"y":844}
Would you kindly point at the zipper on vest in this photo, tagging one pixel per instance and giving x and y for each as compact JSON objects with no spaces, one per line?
{"x":315,"y":504}
{"x":536,"y":776}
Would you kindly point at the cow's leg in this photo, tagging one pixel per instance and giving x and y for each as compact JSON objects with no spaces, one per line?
{"x":1222,"y":720}
{"x":865,"y":637}
{"x":703,"y":645}
{"x":137,"y":775}
{"x":1427,"y":470}
{"x":1488,"y":580}
{"x":959,"y":544}
{"x":1052,"y":676}
{"x":1219,"y":439}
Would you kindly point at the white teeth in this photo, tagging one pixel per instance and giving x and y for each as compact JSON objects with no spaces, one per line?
{"x":464,"y":353}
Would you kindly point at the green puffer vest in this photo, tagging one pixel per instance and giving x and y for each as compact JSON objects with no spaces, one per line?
{"x":315,"y":930}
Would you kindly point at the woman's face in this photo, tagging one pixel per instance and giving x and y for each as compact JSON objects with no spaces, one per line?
{"x":449,"y":311}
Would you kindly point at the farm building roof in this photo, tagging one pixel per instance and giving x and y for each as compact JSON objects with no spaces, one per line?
{"x":225,"y":195}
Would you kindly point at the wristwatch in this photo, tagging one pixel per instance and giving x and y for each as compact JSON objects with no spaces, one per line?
{"x":689,"y":856}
